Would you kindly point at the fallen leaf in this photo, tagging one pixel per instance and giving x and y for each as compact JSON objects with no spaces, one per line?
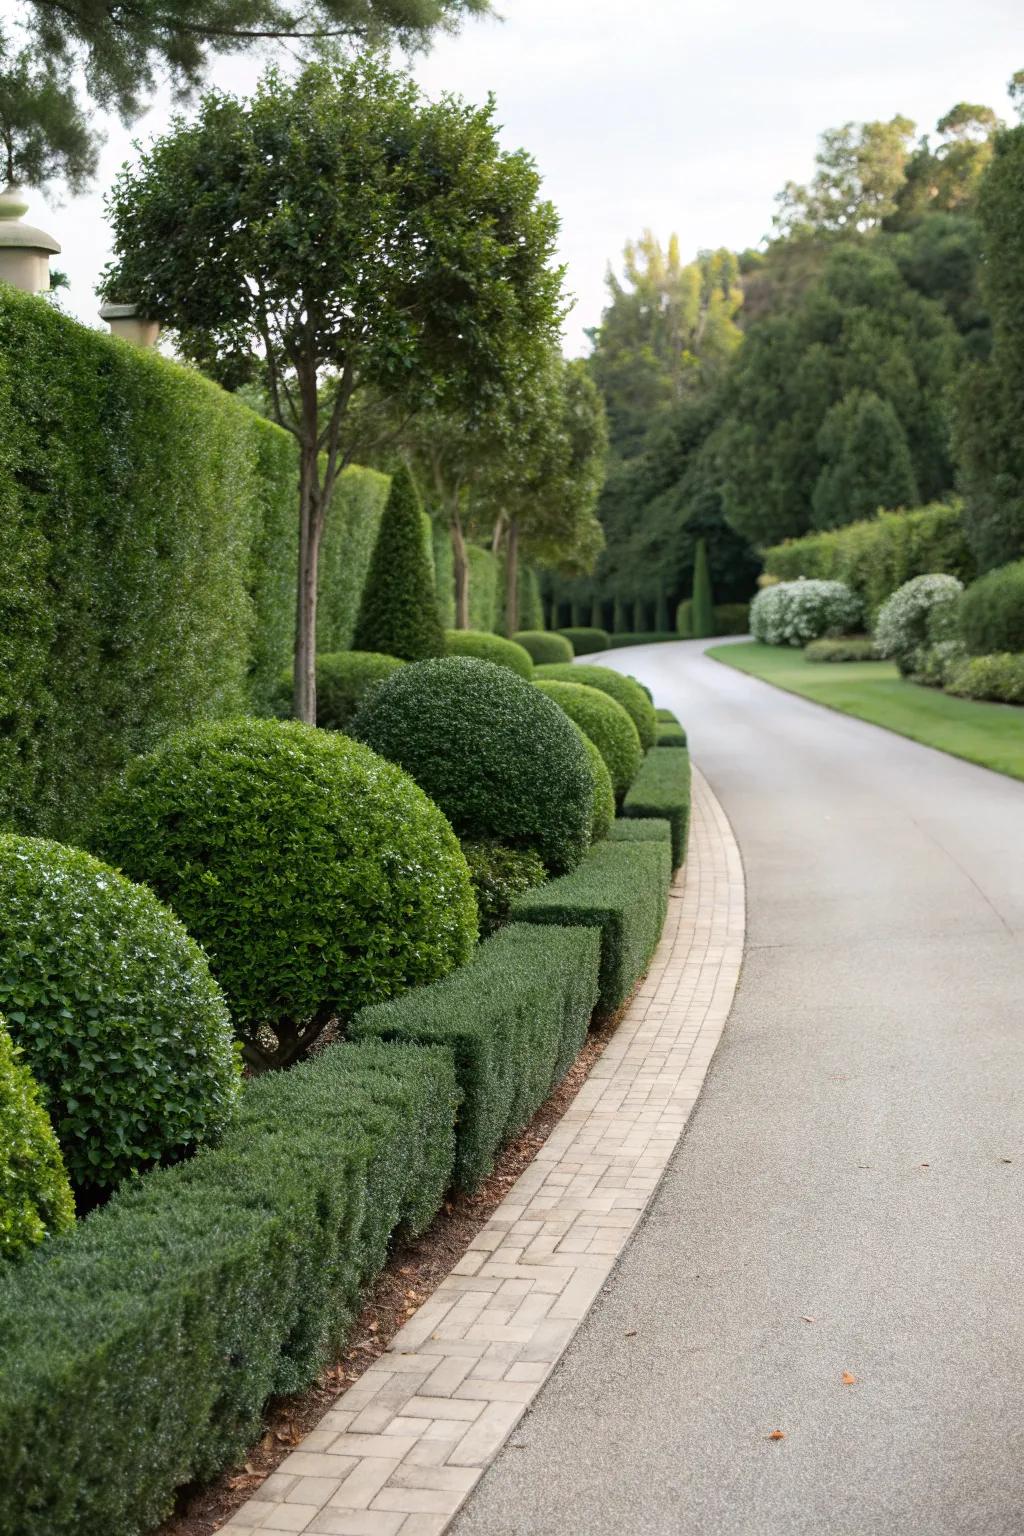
{"x":849,"y":1380}
{"x":926,"y":1165}
{"x":1006,"y":1159}
{"x":807,"y":1319}
{"x":777,"y":1434}
{"x":630,"y":1333}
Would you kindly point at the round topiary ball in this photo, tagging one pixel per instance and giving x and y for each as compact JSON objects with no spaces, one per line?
{"x":603,"y":812}
{"x":485,"y":647}
{"x":500,"y":759}
{"x":35,"y":1196}
{"x":318,"y":877}
{"x":606,"y":723}
{"x":624,"y":690}
{"x":544,"y":646}
{"x":121,"y":1023}
{"x":343,"y":678}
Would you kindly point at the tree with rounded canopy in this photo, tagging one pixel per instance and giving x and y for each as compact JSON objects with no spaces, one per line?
{"x":341,"y":238}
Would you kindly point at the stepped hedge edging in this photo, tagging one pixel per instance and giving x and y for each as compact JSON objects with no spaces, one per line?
{"x":136,"y":1353}
{"x":514,"y":1021}
{"x":621,"y":888}
{"x":662,"y":789}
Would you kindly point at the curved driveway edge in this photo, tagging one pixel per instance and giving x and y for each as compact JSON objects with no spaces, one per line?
{"x":412,"y":1437}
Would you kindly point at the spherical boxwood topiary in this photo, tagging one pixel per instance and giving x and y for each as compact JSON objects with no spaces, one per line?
{"x":606,"y":723}
{"x":35,"y":1196}
{"x":500,"y":759}
{"x":318,"y":877}
{"x":342,"y":680}
{"x":625,"y":690}
{"x":544,"y":646}
{"x":603,"y":813}
{"x":503,"y":653}
{"x":585,"y":641}
{"x":990,"y":615}
{"x":122,"y":1025}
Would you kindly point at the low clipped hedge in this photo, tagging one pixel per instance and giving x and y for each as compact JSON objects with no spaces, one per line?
{"x":545,"y":646}
{"x":990,"y":615}
{"x":342,"y":682}
{"x":607,"y":725}
{"x":846,"y":648}
{"x":603,"y":809}
{"x":632,"y":695}
{"x":317,"y":877}
{"x":584,"y":641}
{"x":621,"y":888}
{"x":137,"y":1352}
{"x":514,"y":1020}
{"x":998,"y":678}
{"x":668,"y":731}
{"x":501,"y":760}
{"x":726,"y":619}
{"x":621,"y":638}
{"x":637,"y":829}
{"x":35,"y":1196}
{"x":499,"y":875}
{"x":121,"y":1023}
{"x":503,"y":653}
{"x":662,"y":789}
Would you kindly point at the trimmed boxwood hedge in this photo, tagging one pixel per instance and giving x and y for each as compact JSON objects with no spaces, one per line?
{"x":503,"y":653}
{"x":500,"y":759}
{"x":990,"y":615}
{"x":35,"y":1197}
{"x":343,"y":678}
{"x":620,"y":888}
{"x":514,"y":1020}
{"x":668,"y":735}
{"x":603,"y":811}
{"x":662,"y":789}
{"x":636,"y":829}
{"x":606,"y":723}
{"x":137,"y":1352}
{"x":544,"y":646}
{"x":632,"y":695}
{"x":317,"y":877}
{"x":584,"y":640}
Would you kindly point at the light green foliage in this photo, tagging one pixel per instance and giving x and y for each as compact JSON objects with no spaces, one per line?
{"x":316,"y":876}
{"x":121,"y":1023}
{"x":500,"y":760}
{"x":637,"y":829}
{"x":999,"y":677}
{"x":545,"y":647}
{"x":499,"y":874}
{"x":703,"y":613}
{"x":990,"y":615}
{"x":849,"y":648}
{"x":35,"y":1197}
{"x":623,"y":689}
{"x":483,"y":588}
{"x":342,"y":680}
{"x":620,"y":889}
{"x":605,"y":722}
{"x":603,"y":809}
{"x":586,"y":640}
{"x":198,"y":1292}
{"x":494,"y":648}
{"x":905,"y":629}
{"x":398,"y":611}
{"x":861,"y":170}
{"x":531,"y":609}
{"x":662,"y":789}
{"x":794,"y":612}
{"x":876,"y":556}
{"x":670,"y":735}
{"x":444,"y":574}
{"x":350,"y":539}
{"x":514,"y":1020}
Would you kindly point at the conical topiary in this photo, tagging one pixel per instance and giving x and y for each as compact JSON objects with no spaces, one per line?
{"x":703,"y":610}
{"x":398,"y":613}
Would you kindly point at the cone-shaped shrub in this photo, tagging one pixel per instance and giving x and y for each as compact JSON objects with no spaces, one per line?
{"x":398,"y":613}
{"x":703,"y":613}
{"x":35,"y":1196}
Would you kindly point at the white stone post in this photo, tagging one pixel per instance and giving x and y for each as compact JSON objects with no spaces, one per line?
{"x":24,"y":252}
{"x":125,"y":321}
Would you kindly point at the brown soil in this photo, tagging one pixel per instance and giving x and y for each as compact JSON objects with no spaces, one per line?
{"x":414,"y":1273}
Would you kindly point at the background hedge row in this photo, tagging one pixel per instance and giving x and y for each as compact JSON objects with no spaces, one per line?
{"x":662,"y":789}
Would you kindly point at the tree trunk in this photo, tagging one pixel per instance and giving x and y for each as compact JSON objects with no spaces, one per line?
{"x":460,"y":561}
{"x":310,"y":529}
{"x":512,"y":578}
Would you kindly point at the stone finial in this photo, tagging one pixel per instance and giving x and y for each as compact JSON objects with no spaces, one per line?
{"x":24,"y":252}
{"x":125,"y":321}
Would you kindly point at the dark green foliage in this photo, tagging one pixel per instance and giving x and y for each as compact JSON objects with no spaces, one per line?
{"x":500,"y":874}
{"x":670,"y":735}
{"x":989,"y":677}
{"x":623,"y":689}
{"x":514,"y":1020}
{"x":316,"y":876}
{"x":398,"y":613}
{"x":146,"y":525}
{"x":137,"y":1352}
{"x":732,"y":618}
{"x":878,"y":555}
{"x":662,"y":789}
{"x":867,"y":462}
{"x":607,"y":725}
{"x":35,"y":1197}
{"x":620,"y":888}
{"x":635,"y":829}
{"x":703,"y":611}
{"x":342,"y":681}
{"x":500,"y":759}
{"x":350,"y":538}
{"x":630,"y":638}
{"x":846,"y":648}
{"x":121,"y":1023}
{"x":544,"y":646}
{"x":585,"y":641}
{"x":991,"y":612}
{"x":503,"y":653}
{"x":603,"y":809}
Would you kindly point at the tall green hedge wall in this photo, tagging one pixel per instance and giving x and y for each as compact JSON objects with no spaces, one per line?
{"x":879,"y":554}
{"x":349,"y":538}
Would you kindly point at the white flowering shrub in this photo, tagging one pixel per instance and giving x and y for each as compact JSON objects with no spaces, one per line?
{"x":794,"y":612}
{"x":915,"y":626}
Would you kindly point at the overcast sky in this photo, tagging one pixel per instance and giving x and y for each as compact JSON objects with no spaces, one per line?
{"x":671,"y":114}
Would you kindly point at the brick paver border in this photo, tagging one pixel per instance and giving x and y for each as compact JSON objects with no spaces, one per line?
{"x":412,"y":1436}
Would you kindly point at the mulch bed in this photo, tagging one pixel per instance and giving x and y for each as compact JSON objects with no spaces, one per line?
{"x":414,"y":1273}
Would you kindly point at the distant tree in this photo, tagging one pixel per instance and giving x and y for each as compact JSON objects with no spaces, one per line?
{"x":398,"y":611}
{"x":867,"y":462}
{"x":342,"y":240}
{"x":861,"y":169}
{"x":45,"y":135}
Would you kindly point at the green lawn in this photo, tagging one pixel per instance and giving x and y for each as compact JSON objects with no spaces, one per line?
{"x":989,"y":734}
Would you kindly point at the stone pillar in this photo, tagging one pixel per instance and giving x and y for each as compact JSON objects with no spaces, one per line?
{"x":125,"y":321}
{"x":24,"y":252}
